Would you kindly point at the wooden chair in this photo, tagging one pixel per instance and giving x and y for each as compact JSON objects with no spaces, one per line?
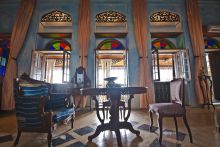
{"x":107,"y":104}
{"x":39,"y":110}
{"x":206,"y":86}
{"x":176,"y":108}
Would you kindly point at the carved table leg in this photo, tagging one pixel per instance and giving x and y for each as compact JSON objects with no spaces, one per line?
{"x":99,"y":129}
{"x":118,"y":135}
{"x":128,"y":125}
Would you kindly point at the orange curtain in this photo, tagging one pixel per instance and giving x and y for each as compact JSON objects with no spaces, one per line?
{"x":196,"y":35}
{"x":84,"y":31}
{"x":140,"y":30}
{"x":20,"y":28}
{"x":83,"y":38}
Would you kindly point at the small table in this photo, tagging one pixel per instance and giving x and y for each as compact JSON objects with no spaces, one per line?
{"x":114,"y":94}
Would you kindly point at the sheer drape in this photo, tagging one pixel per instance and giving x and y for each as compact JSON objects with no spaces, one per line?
{"x":196,"y":35}
{"x":50,"y":69}
{"x":140,"y":30}
{"x":84,"y":36}
{"x":20,"y":28}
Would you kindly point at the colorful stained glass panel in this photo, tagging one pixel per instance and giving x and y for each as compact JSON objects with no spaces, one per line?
{"x":110,"y":44}
{"x":59,"y":45}
{"x":212,"y":43}
{"x":4,"y":51}
{"x":162,"y":44}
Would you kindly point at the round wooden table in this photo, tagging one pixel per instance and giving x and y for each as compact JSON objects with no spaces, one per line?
{"x":115,"y":95}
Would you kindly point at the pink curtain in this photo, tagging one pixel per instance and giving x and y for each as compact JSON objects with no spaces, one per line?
{"x":20,"y":28}
{"x":196,"y":35}
{"x":83,"y":38}
{"x":140,"y":30}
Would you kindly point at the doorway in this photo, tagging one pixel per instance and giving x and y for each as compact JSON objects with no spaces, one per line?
{"x":50,"y":66}
{"x":212,"y":57}
{"x":111,"y":63}
{"x":213,"y":68}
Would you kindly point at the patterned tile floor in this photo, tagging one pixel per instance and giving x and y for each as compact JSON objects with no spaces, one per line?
{"x":201,"y":122}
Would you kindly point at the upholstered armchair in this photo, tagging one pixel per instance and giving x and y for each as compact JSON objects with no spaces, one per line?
{"x":38,"y":109}
{"x":175,"y":108}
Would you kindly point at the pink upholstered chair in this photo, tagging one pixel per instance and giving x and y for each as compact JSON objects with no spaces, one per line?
{"x":175,"y":108}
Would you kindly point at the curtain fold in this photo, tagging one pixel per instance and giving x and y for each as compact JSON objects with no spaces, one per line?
{"x":84,"y":31}
{"x":84,"y":36}
{"x":197,"y":40}
{"x":140,"y":30}
{"x":20,"y":28}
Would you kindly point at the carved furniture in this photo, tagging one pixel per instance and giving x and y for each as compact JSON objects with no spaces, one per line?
{"x":176,"y":108}
{"x":38,"y":109}
{"x":207,"y":91}
{"x":114,"y":95}
{"x":106,"y":104}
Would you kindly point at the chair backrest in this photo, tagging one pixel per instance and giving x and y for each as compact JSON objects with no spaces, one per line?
{"x":28,"y":98}
{"x":177,"y":91}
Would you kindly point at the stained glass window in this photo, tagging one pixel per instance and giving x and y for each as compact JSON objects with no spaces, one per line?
{"x":212,"y":43}
{"x":4,"y":51}
{"x":162,"y":44}
{"x":110,"y":44}
{"x":59,"y":45}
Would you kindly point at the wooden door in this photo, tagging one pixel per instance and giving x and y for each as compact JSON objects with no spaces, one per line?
{"x":214,"y":60}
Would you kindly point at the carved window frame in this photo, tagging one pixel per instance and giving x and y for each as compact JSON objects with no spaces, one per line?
{"x":110,"y":17}
{"x":164,"y":16}
{"x":56,"y":16}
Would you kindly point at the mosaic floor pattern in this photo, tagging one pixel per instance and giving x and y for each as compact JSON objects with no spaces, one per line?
{"x":78,"y":137}
{"x":202,"y":127}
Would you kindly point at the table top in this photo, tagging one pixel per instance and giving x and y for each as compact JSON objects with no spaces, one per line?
{"x":113,"y":91}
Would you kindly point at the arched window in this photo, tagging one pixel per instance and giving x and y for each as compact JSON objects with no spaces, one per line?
{"x":110,"y":44}
{"x":211,"y":43}
{"x":58,"y":45}
{"x":162,"y":44}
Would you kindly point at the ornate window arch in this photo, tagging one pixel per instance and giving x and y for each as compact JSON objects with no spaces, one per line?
{"x":110,"y":44}
{"x":56,"y":16}
{"x":110,"y":16}
{"x":162,"y":44}
{"x":58,"y":45}
{"x":164,"y":16}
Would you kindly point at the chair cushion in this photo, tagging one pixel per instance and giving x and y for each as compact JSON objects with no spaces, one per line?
{"x":167,"y":109}
{"x":62,"y":113}
{"x":56,"y":101}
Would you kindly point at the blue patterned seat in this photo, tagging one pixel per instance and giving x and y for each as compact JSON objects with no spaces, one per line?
{"x":38,"y":109}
